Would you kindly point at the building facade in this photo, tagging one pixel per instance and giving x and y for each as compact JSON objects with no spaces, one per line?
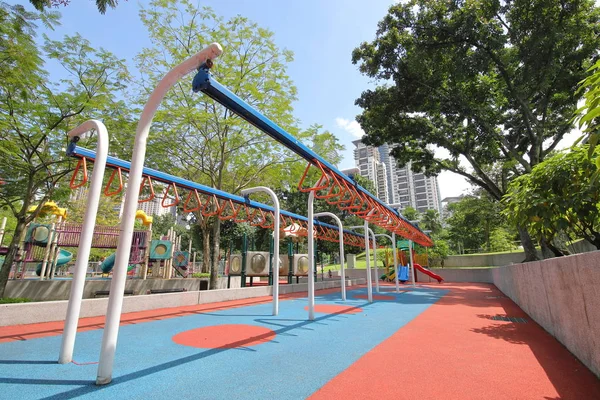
{"x":399,"y":187}
{"x":368,"y":161}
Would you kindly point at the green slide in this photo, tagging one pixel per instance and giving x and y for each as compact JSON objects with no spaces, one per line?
{"x":63,"y":258}
{"x":108,"y":264}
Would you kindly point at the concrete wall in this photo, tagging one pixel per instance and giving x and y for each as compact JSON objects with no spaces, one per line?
{"x":48,"y":311}
{"x":483,"y":275}
{"x":60,"y":289}
{"x":499,"y":260}
{"x":562,"y":295}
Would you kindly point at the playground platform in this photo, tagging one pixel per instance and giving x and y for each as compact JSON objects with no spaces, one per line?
{"x":448,"y":341}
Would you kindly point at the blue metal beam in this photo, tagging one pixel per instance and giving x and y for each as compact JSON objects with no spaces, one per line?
{"x":204,"y":82}
{"x":183,"y":183}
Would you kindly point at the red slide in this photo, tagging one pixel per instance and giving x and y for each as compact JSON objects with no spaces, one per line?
{"x":428,"y":272}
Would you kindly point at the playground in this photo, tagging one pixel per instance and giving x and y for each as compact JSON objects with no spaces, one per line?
{"x":429,"y":342}
{"x":275,"y":328}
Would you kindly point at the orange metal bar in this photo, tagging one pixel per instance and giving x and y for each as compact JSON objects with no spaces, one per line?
{"x":165,"y":197}
{"x":80,"y":164}
{"x":116,"y":172}
{"x":319,"y":185}
{"x":193,"y":195}
{"x":206,"y":212}
{"x":146,"y":180}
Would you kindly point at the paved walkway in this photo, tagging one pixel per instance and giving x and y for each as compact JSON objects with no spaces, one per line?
{"x":434,"y":342}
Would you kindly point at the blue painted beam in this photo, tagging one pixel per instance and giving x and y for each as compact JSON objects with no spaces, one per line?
{"x":183,"y":183}
{"x":204,"y":82}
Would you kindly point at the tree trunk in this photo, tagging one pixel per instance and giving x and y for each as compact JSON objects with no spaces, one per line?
{"x":546,"y":250}
{"x":13,"y":247}
{"x":528,"y":246}
{"x":560,"y":242}
{"x":214,"y":270}
{"x":205,"y":249}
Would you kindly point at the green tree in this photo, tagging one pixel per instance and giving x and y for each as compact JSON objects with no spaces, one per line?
{"x":214,"y":146}
{"x":102,"y":5}
{"x":438,"y":253}
{"x":558,"y":195}
{"x":588,"y":116}
{"x":492,"y":82}
{"x":472,"y":221}
{"x":410,"y":213}
{"x":35,"y":113}
{"x":430,"y":220}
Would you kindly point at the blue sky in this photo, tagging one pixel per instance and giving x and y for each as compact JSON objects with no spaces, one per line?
{"x":321,"y":33}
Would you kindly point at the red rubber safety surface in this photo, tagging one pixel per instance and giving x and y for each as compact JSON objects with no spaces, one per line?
{"x":455,"y":351}
{"x":331,"y":309}
{"x":228,"y":336}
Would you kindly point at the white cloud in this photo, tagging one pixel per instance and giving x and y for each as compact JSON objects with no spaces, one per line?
{"x":351,"y":127}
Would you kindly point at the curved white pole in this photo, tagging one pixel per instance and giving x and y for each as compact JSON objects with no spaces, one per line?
{"x":369,"y":233}
{"x":393,"y":239}
{"x":412,"y":264}
{"x":375,"y":260}
{"x":396,"y":261}
{"x":341,"y":238}
{"x":275,"y":262}
{"x":117,"y":285}
{"x":311,"y":256}
{"x":368,"y":257}
{"x":87,"y":234}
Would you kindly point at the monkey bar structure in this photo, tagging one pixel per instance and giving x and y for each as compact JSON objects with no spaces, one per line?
{"x":332,"y":185}
{"x":214,"y":202}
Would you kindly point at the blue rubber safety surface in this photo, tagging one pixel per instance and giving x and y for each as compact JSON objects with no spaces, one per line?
{"x":149,"y":365}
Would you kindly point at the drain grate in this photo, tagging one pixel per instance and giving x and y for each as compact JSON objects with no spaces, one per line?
{"x":517,"y":320}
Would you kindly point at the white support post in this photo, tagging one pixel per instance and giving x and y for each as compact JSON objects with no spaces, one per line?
{"x":375,"y":260}
{"x":2,"y":228}
{"x":117,"y":285}
{"x":412,"y":264}
{"x":395,"y":261}
{"x":341,"y":239}
{"x":368,"y":257}
{"x":47,"y":252}
{"x":275,"y":262}
{"x":147,"y":254}
{"x":87,"y":234}
{"x":55,"y":249}
{"x":311,"y":256}
{"x":194,"y":263}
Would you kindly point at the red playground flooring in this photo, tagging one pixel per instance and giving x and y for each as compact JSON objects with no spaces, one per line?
{"x":455,"y":351}
{"x":451,"y":350}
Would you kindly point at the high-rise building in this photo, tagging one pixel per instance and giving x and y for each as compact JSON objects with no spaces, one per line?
{"x":403,"y":187}
{"x":369,"y":163}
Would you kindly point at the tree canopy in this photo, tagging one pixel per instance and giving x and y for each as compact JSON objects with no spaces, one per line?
{"x":559,"y":196}
{"x":492,"y":82}
{"x":36,"y":114}
{"x":102,"y":5}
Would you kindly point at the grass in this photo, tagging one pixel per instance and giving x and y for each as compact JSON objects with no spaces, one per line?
{"x":6,"y":300}
{"x":201,"y":275}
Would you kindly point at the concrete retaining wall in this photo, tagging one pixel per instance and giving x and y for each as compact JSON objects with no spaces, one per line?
{"x":483,"y":275}
{"x":60,"y":289}
{"x":562,"y":295}
{"x":48,"y":311}
{"x":499,"y":260}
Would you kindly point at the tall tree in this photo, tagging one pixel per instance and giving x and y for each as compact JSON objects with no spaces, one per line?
{"x":559,"y":195}
{"x":472,"y":222}
{"x":430,"y":220}
{"x":492,"y":82}
{"x":102,"y":5}
{"x":35,"y":113}
{"x":203,"y":141}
